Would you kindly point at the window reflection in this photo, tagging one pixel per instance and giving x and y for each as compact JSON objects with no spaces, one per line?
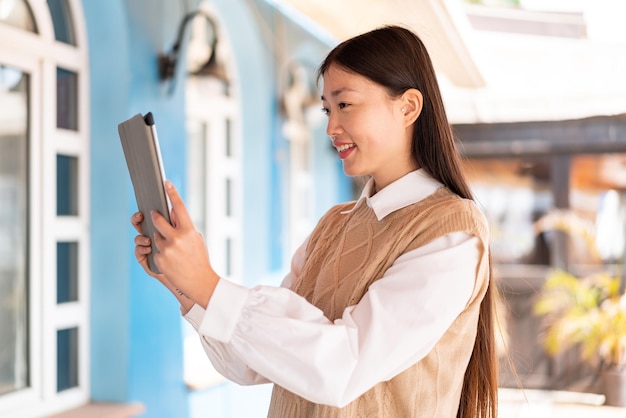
{"x":62,"y":21}
{"x":516,"y":192}
{"x":598,"y":184}
{"x":67,"y":272}
{"x":197,"y":177}
{"x":67,"y":185}
{"x":13,"y":220}
{"x":67,"y":359}
{"x":67,"y":99}
{"x":17,"y":13}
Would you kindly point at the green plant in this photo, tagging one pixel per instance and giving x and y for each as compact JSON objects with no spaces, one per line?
{"x":590,"y":312}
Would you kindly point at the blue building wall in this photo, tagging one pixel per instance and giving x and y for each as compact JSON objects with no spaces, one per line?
{"x":136,"y":335}
{"x":110,"y":263}
{"x":136,"y":341}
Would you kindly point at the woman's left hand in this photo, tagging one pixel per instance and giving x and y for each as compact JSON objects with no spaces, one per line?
{"x":182,"y":254}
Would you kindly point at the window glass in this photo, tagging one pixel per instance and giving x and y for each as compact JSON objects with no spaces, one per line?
{"x":14,"y":365}
{"x":598,"y":204}
{"x":565,"y":211}
{"x":67,"y":358}
{"x":197,"y":179}
{"x":67,"y":185}
{"x":514,"y":193}
{"x":67,"y":272}
{"x":228,"y":258}
{"x":62,"y":21}
{"x":228,"y":198}
{"x":67,"y":99}
{"x":17,"y":13}
{"x":229,"y":139}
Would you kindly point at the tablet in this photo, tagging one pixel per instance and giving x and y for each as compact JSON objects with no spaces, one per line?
{"x":145,"y":166}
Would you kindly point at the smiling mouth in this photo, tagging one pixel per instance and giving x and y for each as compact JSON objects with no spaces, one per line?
{"x":344,"y":150}
{"x":345,"y":147}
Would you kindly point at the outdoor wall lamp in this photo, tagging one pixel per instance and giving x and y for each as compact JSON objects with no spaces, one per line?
{"x":210,"y":67}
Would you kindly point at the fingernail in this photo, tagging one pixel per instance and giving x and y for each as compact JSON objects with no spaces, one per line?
{"x":168,"y":184}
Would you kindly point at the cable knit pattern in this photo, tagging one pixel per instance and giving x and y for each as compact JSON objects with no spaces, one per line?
{"x":345,"y":255}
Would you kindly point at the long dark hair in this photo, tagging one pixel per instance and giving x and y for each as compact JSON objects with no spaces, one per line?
{"x":395,"y":58}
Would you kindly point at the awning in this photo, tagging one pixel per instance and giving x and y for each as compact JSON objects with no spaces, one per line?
{"x":440,"y":24}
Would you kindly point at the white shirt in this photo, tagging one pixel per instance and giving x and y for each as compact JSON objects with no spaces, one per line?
{"x":271,"y":334}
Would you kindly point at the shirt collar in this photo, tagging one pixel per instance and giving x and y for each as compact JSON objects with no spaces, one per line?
{"x":403,"y":192}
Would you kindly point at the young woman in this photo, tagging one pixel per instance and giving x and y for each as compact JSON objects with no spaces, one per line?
{"x":387,"y":309}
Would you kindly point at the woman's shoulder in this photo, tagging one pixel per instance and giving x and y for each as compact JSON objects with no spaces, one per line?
{"x":447,"y":204}
{"x":448,"y":198}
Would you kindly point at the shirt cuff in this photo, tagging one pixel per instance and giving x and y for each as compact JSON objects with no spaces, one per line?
{"x":194,"y":316}
{"x":224,"y":310}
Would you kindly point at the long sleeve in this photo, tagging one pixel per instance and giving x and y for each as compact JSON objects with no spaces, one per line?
{"x":223,"y":356}
{"x":272,"y":334}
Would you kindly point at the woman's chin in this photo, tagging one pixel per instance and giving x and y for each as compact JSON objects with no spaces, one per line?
{"x":351,"y":171}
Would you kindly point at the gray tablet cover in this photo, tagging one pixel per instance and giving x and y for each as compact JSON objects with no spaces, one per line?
{"x":143,"y":158}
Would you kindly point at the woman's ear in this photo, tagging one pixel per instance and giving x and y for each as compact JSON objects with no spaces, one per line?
{"x":411,"y":102}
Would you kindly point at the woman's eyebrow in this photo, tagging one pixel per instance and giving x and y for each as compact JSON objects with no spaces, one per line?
{"x":337,"y":92}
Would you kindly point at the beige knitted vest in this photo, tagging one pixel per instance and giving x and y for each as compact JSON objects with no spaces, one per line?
{"x":347,"y":253}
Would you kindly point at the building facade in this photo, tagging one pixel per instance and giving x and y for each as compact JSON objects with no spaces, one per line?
{"x":80,"y":321}
{"x":82,"y":327}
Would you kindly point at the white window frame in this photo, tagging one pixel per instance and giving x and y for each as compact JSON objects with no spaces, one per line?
{"x":301,"y":191}
{"x":298,"y":99}
{"x":213,"y":111}
{"x":39,"y":54}
{"x":207,"y":105}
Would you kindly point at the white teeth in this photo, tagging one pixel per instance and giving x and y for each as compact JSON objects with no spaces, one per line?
{"x":344,"y":147}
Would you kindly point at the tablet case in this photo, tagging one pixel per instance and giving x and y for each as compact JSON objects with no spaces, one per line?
{"x":143,"y":158}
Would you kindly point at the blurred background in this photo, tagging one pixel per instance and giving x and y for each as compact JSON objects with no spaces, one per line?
{"x":536,"y":95}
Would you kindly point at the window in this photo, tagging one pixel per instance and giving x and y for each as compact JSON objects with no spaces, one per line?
{"x":582,"y":194}
{"x":513,"y":193}
{"x":63,"y":24}
{"x":14,"y":190}
{"x":214,"y":178}
{"x":213,"y":194}
{"x":67,"y":100}
{"x":516,"y":192}
{"x":297,"y":102}
{"x":44,"y":271}
{"x":17,"y":14}
{"x":214,"y":181}
{"x":67,"y":272}
{"x":67,"y":185}
{"x":214,"y":164}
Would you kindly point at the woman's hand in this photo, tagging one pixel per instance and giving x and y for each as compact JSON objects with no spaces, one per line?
{"x":182,"y":255}
{"x":143,"y":246}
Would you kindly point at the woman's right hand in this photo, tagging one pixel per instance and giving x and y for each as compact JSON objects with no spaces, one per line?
{"x":143,"y":247}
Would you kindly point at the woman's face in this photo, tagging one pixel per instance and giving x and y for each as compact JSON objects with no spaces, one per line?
{"x":367,"y":127}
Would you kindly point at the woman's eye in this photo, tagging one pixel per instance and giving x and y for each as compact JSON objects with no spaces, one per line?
{"x":340,"y":106}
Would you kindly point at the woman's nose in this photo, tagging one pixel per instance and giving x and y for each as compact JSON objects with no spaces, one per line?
{"x":333,"y":128}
